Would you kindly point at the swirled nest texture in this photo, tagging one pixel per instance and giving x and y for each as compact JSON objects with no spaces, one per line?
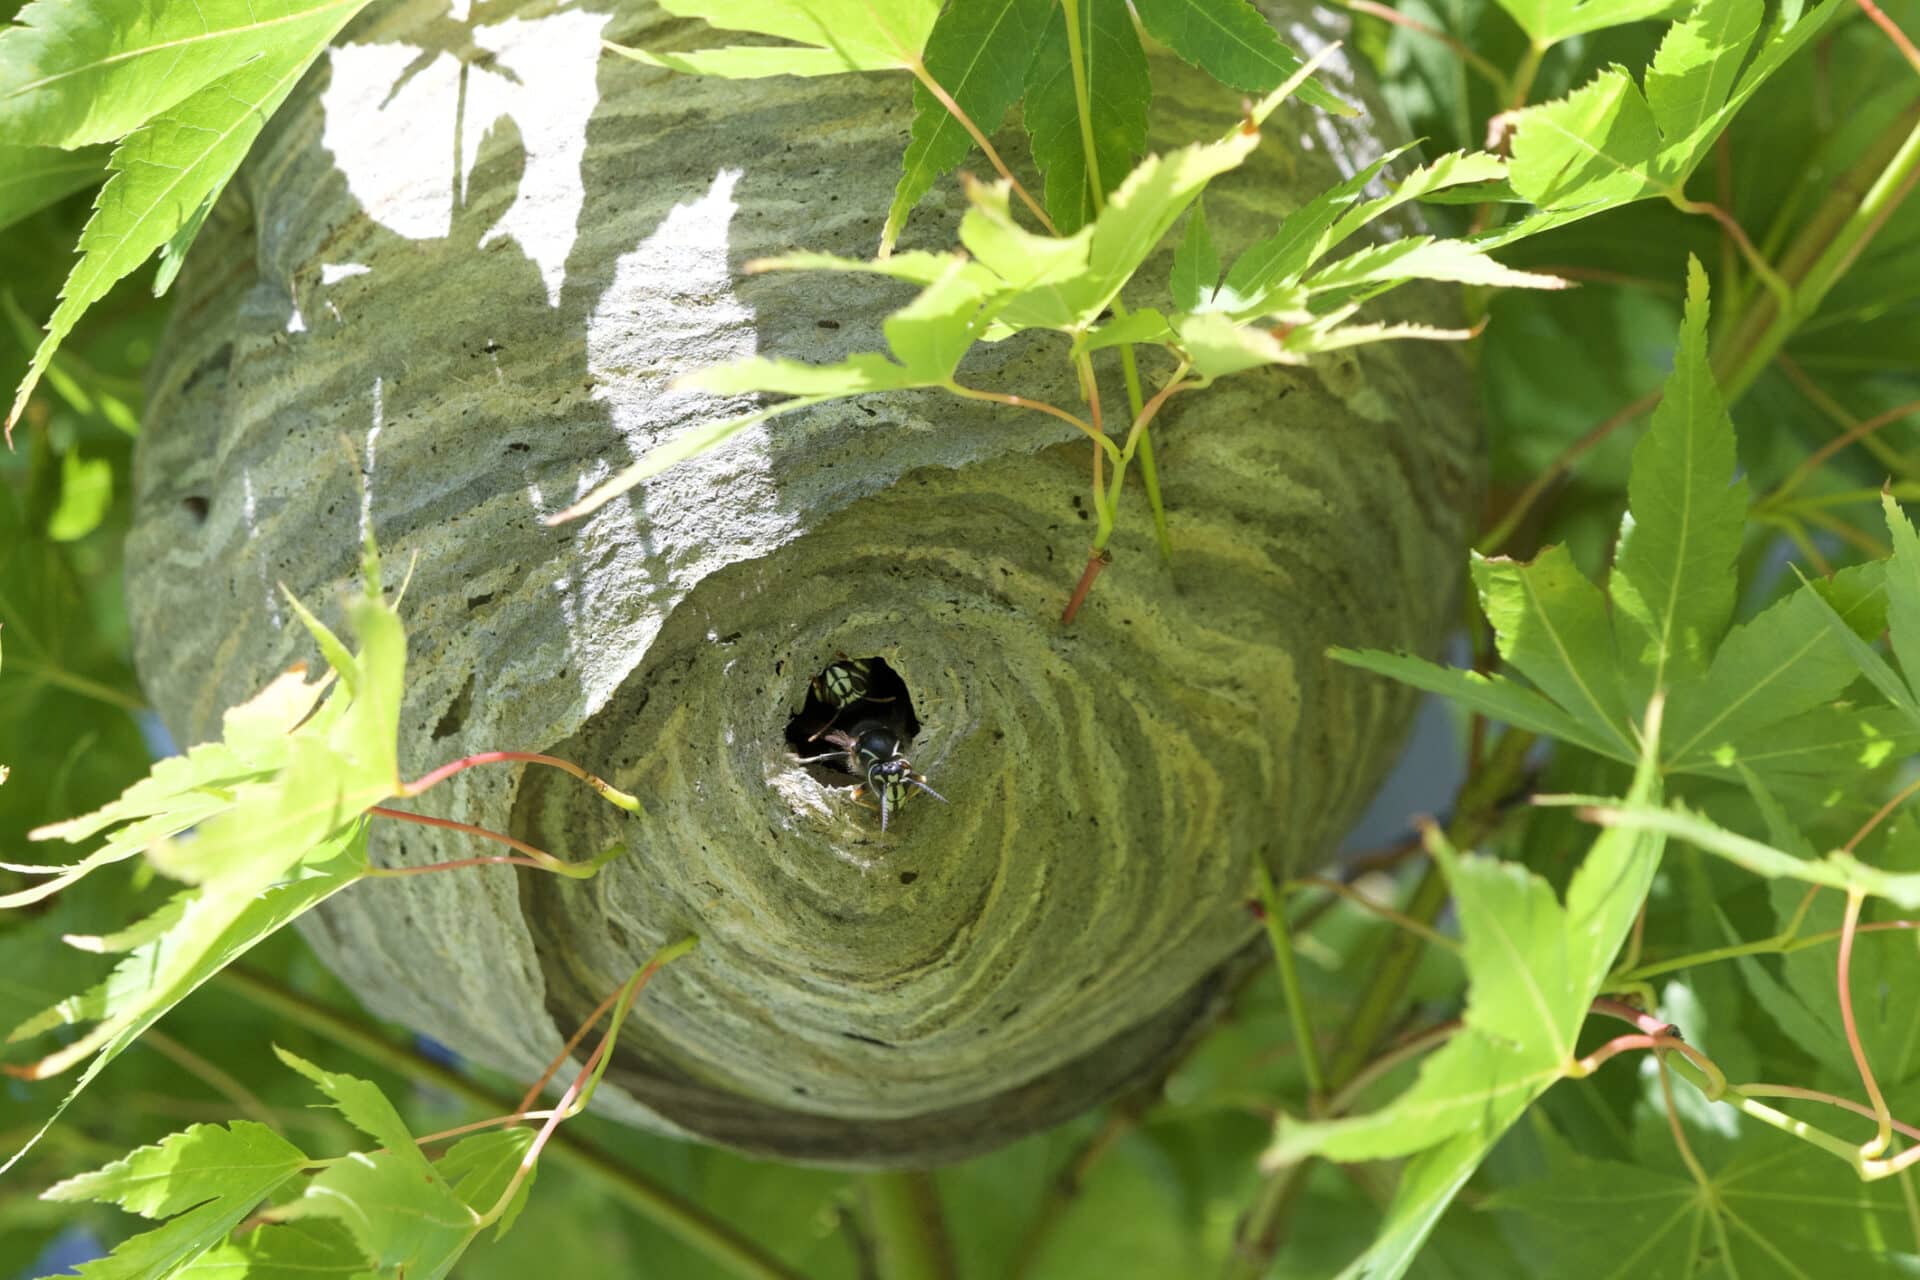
{"x":479,"y":251}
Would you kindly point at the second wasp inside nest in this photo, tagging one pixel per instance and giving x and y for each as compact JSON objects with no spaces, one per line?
{"x":855,"y":729}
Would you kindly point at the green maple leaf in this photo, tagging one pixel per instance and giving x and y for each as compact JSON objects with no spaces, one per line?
{"x":318,"y":1249}
{"x":1612,"y":142}
{"x":978,"y":53}
{"x":1119,"y":91}
{"x":31,"y":178}
{"x":1533,"y":969}
{"x":1760,"y":695}
{"x":205,"y":1180}
{"x":189,"y":85}
{"x":1234,"y":43}
{"x":277,"y":810}
{"x":1548,"y":22}
{"x":829,"y":37}
{"x":1606,"y":1218}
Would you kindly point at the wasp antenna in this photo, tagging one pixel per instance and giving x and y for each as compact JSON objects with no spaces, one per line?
{"x":883,"y":810}
{"x":929,"y":790}
{"x":831,"y":755}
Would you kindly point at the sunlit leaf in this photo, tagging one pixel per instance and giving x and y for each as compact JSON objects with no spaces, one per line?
{"x":226,"y":1173}
{"x":1550,"y":21}
{"x":72,"y":73}
{"x":829,"y":36}
{"x":242,"y":1159}
{"x":167,"y":170}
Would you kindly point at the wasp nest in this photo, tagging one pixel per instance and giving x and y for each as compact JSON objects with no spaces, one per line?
{"x":480,"y":251}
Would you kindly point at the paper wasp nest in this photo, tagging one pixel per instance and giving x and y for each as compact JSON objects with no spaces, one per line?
{"x":478,"y":252}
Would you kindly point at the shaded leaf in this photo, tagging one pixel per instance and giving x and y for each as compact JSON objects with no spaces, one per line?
{"x":1196,"y":264}
{"x":1118,"y":93}
{"x":312,"y":1250}
{"x":1491,"y":695}
{"x":1551,"y":626}
{"x":1673,"y":579}
{"x":1785,"y":662}
{"x":31,"y":178}
{"x":978,"y":53}
{"x":1234,"y":43}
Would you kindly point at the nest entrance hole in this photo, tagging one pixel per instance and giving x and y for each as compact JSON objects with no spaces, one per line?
{"x":884,"y":699}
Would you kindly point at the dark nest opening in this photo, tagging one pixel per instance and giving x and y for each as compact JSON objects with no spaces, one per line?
{"x":845,"y":697}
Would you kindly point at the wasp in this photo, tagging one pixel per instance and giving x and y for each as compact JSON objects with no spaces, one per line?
{"x":871,"y":751}
{"x":844,"y":683}
{"x":841,"y":685}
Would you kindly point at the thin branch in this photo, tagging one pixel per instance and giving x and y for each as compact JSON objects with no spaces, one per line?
{"x":1815,"y":1095}
{"x":1274,"y":915}
{"x":1510,"y":522}
{"x":216,"y":1078}
{"x":566,"y":1050}
{"x":1756,"y":261}
{"x":1894,"y":33}
{"x":945,"y":99}
{"x":1096,"y":561}
{"x":1881,"y":1115}
{"x":1026,"y":402}
{"x":613,"y":795}
{"x":1488,"y":72}
{"x":1412,"y":1047}
{"x":1065,"y":1188}
{"x":1900,"y":797}
{"x":538,"y":857}
{"x":906,"y":1226}
{"x":665,"y":1208}
{"x":1859,"y":431}
{"x":1380,"y":909}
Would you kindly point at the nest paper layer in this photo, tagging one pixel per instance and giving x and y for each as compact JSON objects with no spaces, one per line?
{"x":482,"y":272}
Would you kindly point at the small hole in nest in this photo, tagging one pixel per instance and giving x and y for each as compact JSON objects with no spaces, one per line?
{"x":843,"y":694}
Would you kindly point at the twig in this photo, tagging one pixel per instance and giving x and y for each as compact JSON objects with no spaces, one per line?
{"x":1859,"y":431}
{"x":1894,"y":33}
{"x":1501,"y":532}
{"x":211,"y":1074}
{"x":1816,"y":1095}
{"x":1039,"y":406}
{"x":907,"y":1228}
{"x":1488,"y":72}
{"x":612,"y":794}
{"x":1883,"y":1118}
{"x":1380,"y":909}
{"x":1274,"y":913}
{"x":1900,"y":797}
{"x":1096,"y":561}
{"x":680,"y":1217}
{"x":1065,"y":1187}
